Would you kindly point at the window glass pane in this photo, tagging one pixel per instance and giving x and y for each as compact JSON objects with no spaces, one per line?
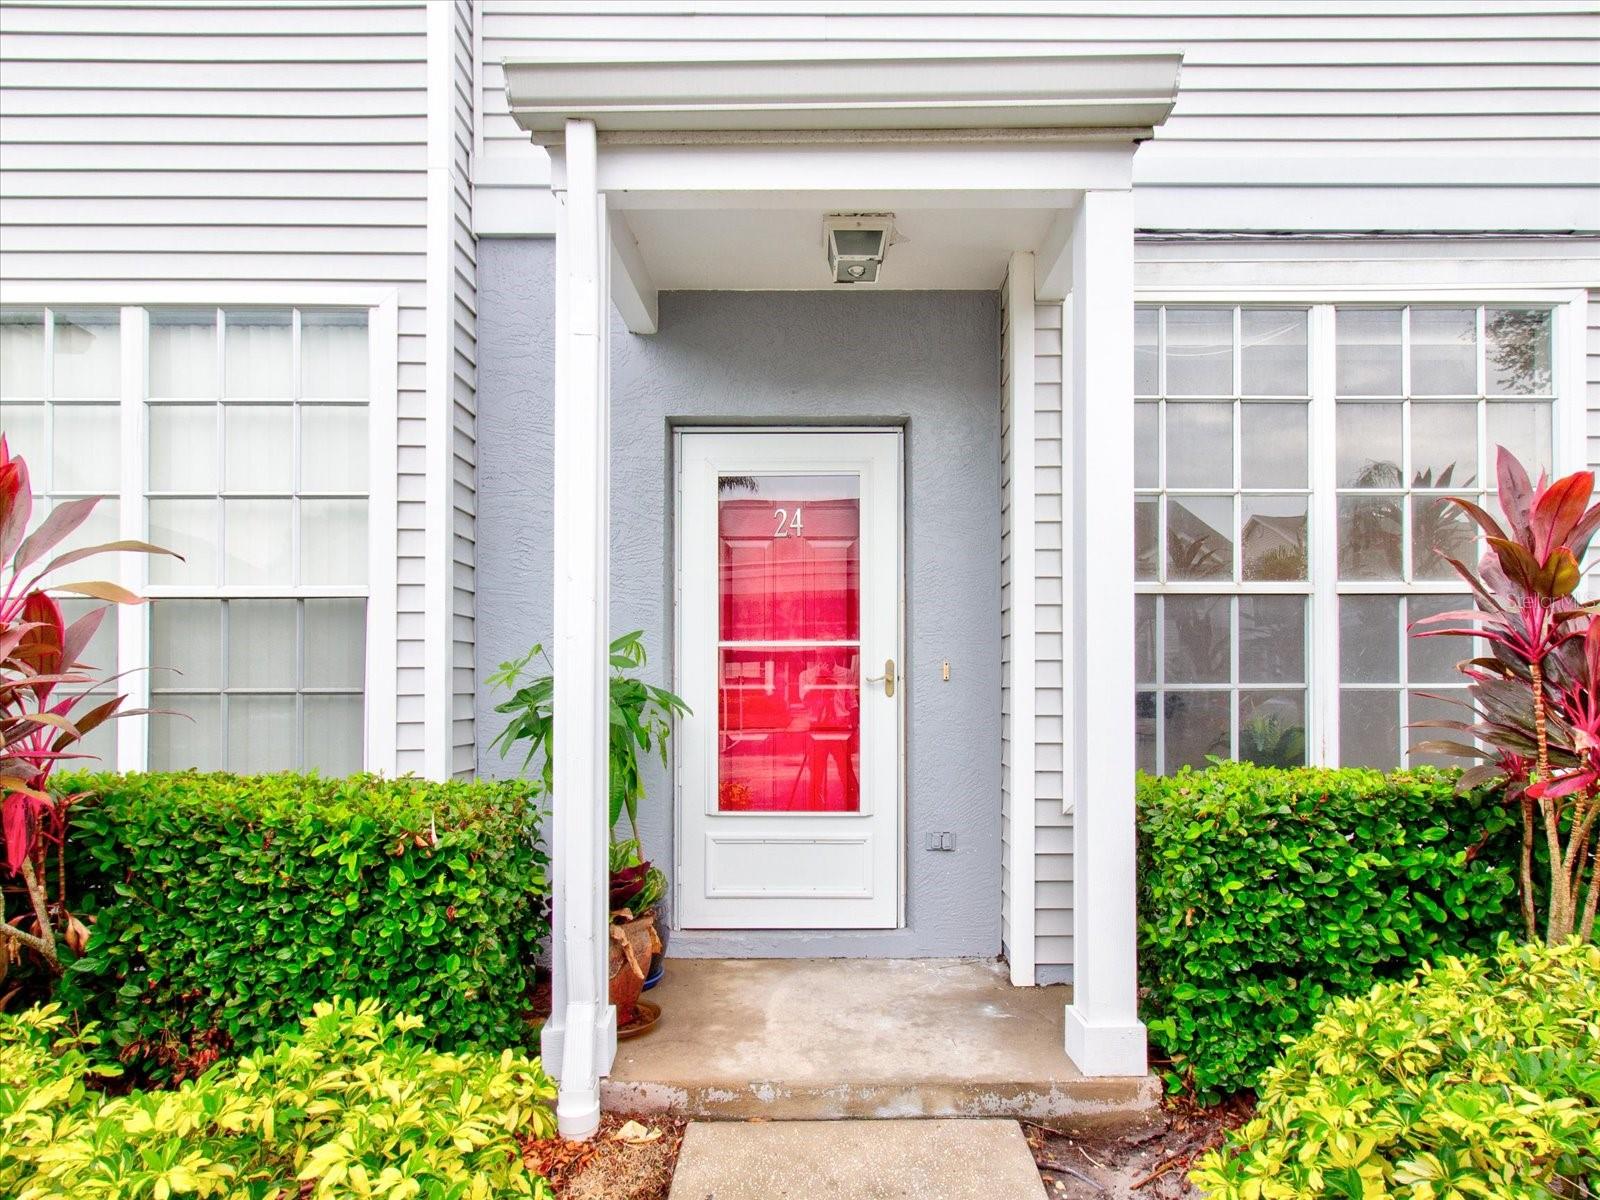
{"x":1274,"y":351}
{"x":102,"y":526}
{"x":1439,"y":529}
{"x":333,"y":354}
{"x":1146,"y":376}
{"x":1369,"y":537}
{"x":185,"y":645}
{"x":183,"y":448}
{"x":188,"y":528}
{"x":1369,"y":639}
{"x":1199,"y":352}
{"x":1200,"y":445}
{"x":22,"y":352}
{"x":187,"y":733}
{"x":258,"y":541}
{"x":1273,"y":447}
{"x":1196,"y":631}
{"x":1368,"y":437}
{"x":333,"y":542}
{"x":333,"y":734}
{"x":1272,"y":639}
{"x":789,"y":550}
{"x":789,"y":730}
{"x":1367,"y":353}
{"x":23,"y":426}
{"x":1144,"y":639}
{"x":1145,"y":533}
{"x":1273,"y":537}
{"x":1432,"y":705}
{"x":1198,"y":725}
{"x":183,"y":352}
{"x":261,"y":733}
{"x":262,"y":643}
{"x":1434,"y":659}
{"x":1517,"y":351}
{"x":87,"y":361}
{"x":259,"y":357}
{"x":333,"y":448}
{"x":258,"y":448}
{"x":1144,"y":726}
{"x":335,"y":643}
{"x":1272,"y":728}
{"x":1523,"y":429}
{"x":99,"y":657}
{"x":1199,"y":537}
{"x":87,"y":448}
{"x":1444,"y":351}
{"x":1146,"y":463}
{"x":1444,"y":445}
{"x":1369,"y":728}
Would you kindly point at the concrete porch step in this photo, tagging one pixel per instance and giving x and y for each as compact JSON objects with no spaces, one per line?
{"x":835,"y":1039}
{"x":856,"y":1160}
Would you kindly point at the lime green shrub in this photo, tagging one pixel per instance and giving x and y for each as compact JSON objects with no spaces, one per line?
{"x":1478,"y":1078}
{"x":353,"y":1105}
{"x":224,"y":906}
{"x":1265,"y":892}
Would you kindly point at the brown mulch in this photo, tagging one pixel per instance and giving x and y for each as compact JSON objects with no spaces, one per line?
{"x":1148,"y":1163}
{"x":606,"y":1167}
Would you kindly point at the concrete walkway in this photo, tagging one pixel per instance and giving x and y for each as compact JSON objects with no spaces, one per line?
{"x":830,"y":1039}
{"x":856,"y":1160}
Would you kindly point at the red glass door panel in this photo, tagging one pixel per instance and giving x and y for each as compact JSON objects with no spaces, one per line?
{"x":789,"y":591}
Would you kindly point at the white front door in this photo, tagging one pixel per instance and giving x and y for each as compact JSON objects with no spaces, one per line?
{"x":789,"y":608}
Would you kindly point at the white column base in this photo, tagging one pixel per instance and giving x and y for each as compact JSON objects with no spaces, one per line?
{"x":577,"y":1100}
{"x":1106,"y":1049}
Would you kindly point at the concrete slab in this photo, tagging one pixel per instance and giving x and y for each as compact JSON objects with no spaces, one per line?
{"x":856,"y":1160}
{"x":833,"y":1039}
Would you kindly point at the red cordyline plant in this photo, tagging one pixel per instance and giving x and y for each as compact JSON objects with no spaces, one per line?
{"x":44,"y":709}
{"x":1535,"y":700}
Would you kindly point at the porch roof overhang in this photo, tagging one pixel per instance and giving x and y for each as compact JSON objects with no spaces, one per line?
{"x":1120,"y":97}
{"x":719,"y":165}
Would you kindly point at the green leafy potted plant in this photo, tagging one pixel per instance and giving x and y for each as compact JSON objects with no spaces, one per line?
{"x":641,"y":723}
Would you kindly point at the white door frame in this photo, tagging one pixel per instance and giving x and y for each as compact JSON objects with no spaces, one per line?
{"x":695,"y":763}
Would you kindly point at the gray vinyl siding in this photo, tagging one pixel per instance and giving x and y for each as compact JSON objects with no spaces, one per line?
{"x":1346,"y":114}
{"x":1052,"y":850}
{"x":463,"y":405}
{"x":1007,"y":547}
{"x":239,"y":144}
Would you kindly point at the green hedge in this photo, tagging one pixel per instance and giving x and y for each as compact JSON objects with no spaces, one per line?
{"x":1264,"y":892}
{"x":224,"y":906}
{"x":352,"y":1104}
{"x":1477,"y":1078}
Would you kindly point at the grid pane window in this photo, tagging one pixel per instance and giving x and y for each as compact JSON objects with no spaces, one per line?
{"x":1424,"y":397}
{"x":60,"y":374}
{"x":257,"y":475}
{"x":1222,"y":532}
{"x":1290,"y":531}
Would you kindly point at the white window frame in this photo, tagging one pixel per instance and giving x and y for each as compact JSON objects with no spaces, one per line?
{"x":1568,"y":435}
{"x":134,"y":299}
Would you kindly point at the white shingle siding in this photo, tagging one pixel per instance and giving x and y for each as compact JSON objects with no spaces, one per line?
{"x":1346,"y":114}
{"x":1052,"y":832}
{"x":236,"y":144}
{"x":1592,"y":379}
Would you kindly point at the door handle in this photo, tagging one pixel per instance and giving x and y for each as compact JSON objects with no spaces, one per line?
{"x":887,"y":678}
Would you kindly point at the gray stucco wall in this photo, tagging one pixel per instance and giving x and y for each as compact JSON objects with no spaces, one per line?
{"x":924,"y":361}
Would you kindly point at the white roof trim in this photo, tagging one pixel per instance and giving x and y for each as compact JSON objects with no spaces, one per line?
{"x":848,"y":93}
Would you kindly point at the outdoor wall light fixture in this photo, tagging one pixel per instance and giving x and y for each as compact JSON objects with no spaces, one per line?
{"x":856,"y":244}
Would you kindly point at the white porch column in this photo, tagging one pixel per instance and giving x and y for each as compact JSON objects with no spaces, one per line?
{"x":580,"y":1040}
{"x":1104,"y":1034}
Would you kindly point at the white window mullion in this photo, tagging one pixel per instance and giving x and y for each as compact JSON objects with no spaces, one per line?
{"x":133,"y":620}
{"x":1322,"y":622}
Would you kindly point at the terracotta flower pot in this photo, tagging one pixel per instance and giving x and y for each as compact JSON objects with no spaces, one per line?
{"x":632,"y":944}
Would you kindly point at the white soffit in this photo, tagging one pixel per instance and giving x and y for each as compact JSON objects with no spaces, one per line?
{"x":1124,"y":95}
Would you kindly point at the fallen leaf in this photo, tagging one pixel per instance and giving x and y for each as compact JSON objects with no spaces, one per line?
{"x":636,"y":1134}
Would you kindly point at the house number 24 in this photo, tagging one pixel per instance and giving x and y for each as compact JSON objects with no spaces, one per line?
{"x":789,"y":524}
